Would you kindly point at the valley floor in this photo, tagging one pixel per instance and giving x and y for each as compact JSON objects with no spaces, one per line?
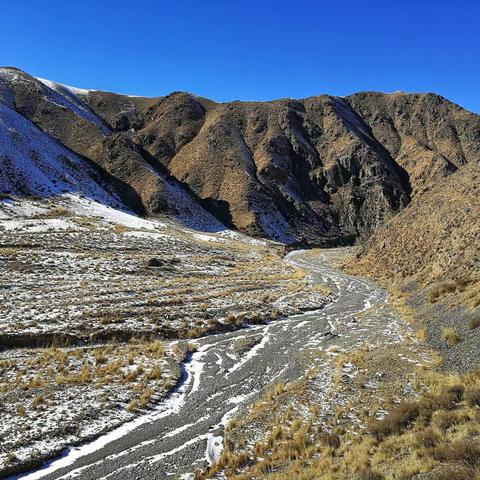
{"x":311,"y":374}
{"x":98,"y":309}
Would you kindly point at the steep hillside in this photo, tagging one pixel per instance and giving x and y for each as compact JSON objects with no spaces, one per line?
{"x":325,"y":169}
{"x":435,"y":238}
{"x":429,"y":257}
{"x":57,"y":116}
{"x":32,"y":162}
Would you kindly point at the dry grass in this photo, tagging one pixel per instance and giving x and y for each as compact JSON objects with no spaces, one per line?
{"x":120,"y":228}
{"x":450,"y":336}
{"x":436,"y":435}
{"x":444,"y":288}
{"x":433,"y":244}
{"x":56,"y":212}
{"x":422,"y":334}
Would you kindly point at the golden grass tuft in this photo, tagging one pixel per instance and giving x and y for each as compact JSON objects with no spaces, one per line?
{"x":450,"y":336}
{"x":422,"y":334}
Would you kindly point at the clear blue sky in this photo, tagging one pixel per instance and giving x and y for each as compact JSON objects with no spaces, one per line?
{"x":249,"y":50}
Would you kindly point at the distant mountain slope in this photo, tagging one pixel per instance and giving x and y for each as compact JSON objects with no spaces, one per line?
{"x":324,"y":169}
{"x":426,"y":134}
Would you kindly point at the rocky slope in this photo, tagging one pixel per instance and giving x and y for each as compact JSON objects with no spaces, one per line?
{"x":324,"y":169}
{"x":436,"y":238}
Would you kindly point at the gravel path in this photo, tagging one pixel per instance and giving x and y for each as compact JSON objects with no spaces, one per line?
{"x":172,"y":441}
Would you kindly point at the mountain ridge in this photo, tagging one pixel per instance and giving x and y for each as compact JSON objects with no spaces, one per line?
{"x":322,"y":170}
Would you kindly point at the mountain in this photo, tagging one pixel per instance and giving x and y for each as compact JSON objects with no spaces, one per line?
{"x":324,"y":170}
{"x":435,"y":238}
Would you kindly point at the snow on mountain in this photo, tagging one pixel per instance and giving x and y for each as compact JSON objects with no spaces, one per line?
{"x":69,"y":97}
{"x":32,"y":162}
{"x":62,"y":88}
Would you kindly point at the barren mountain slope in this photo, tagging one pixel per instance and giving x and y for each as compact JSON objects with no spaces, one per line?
{"x":320,"y":167}
{"x":60,"y":118}
{"x":287,"y":169}
{"x":324,"y":169}
{"x":426,"y":134}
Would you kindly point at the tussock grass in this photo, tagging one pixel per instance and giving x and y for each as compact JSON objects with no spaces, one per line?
{"x":444,"y":288}
{"x":450,"y":336}
{"x":120,"y":228}
{"x":436,"y":436}
{"x":57,"y":212}
{"x":474,"y":323}
{"x":422,"y":334}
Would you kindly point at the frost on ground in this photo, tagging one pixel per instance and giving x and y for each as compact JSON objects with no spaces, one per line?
{"x":97,"y":306}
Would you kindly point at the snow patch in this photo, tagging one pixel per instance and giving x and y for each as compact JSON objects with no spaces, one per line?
{"x":67,"y":97}
{"x":31,"y":161}
{"x":214,"y":449}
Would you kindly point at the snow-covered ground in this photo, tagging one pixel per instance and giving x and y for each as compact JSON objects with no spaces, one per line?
{"x":55,"y":397}
{"x":73,"y":265}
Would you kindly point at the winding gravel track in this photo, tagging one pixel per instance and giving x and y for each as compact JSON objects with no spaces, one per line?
{"x":171,"y":441}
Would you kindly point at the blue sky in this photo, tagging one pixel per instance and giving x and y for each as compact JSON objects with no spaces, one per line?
{"x":249,"y":50}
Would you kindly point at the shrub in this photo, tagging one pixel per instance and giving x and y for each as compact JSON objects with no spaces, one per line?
{"x":464,"y":451}
{"x":446,"y":400}
{"x":427,"y":438}
{"x":399,"y":418}
{"x":330,"y":439}
{"x":442,"y":420}
{"x":456,"y":392}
